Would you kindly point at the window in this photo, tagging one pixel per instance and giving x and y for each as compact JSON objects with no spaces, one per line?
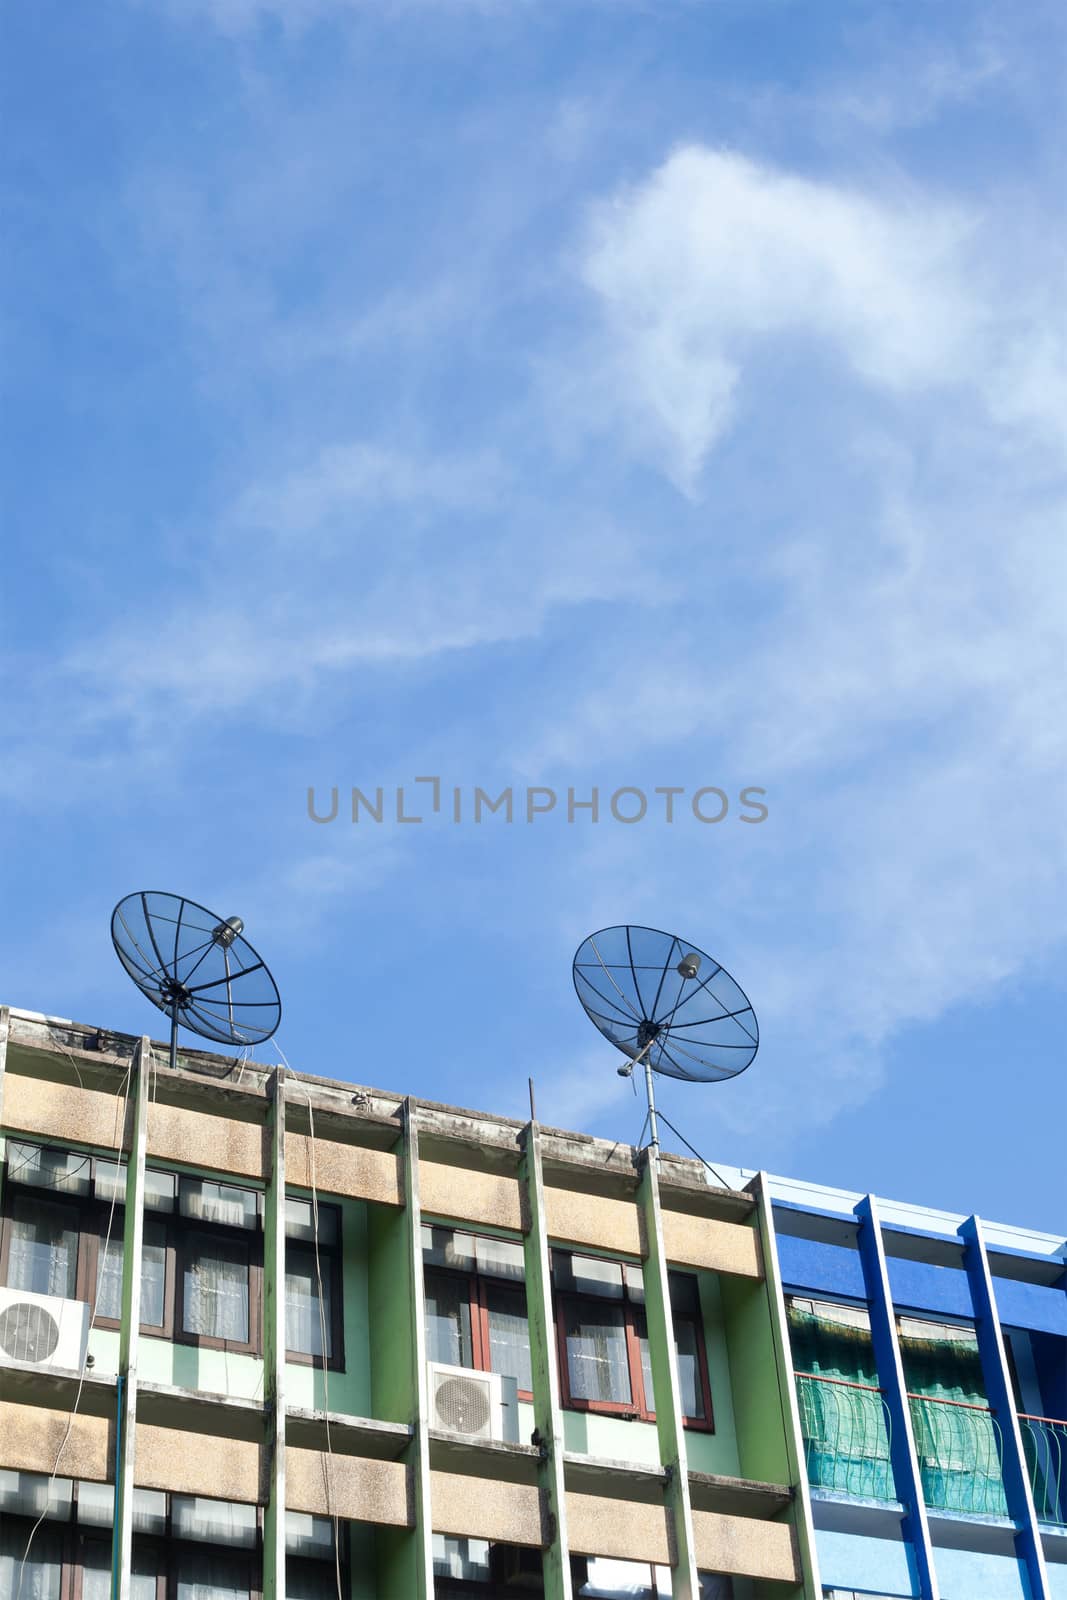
{"x":476,"y":1304}
{"x":202,"y":1254}
{"x":603,"y":1578}
{"x":313,"y":1322}
{"x":184,"y":1548}
{"x":605,"y":1361}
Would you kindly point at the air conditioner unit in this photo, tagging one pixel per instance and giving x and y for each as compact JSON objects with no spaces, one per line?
{"x":43,"y":1330}
{"x":473,"y":1405}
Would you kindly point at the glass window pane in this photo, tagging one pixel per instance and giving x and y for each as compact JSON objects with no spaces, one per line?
{"x":40,"y":1577}
{"x":27,"y":1494}
{"x":153,"y":1274}
{"x":300,"y":1222}
{"x":617,"y":1580}
{"x":159,"y":1187}
{"x":595,"y":1334}
{"x":500,"y":1258}
{"x":228,"y":1522}
{"x":448,"y":1320}
{"x":307,"y":1535}
{"x":588,"y":1275}
{"x":211,"y":1574}
{"x":509,"y":1334}
{"x":206,"y":1201}
{"x":44,"y":1248}
{"x":304,"y":1319}
{"x":62,"y":1171}
{"x":690,"y":1389}
{"x":641,"y":1329}
{"x":448,"y":1247}
{"x":96,"y":1572}
{"x":310,"y":1580}
{"x":215,"y":1288}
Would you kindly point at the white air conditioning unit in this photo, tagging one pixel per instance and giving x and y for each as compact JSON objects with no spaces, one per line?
{"x":472,"y":1405}
{"x":42,"y":1330}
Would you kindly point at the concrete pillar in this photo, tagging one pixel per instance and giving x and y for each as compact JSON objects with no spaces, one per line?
{"x":548,"y":1417}
{"x":130,"y":1328}
{"x":420,"y":1446}
{"x":274,"y":1345}
{"x":891,"y":1374}
{"x":669,"y":1426}
{"x":794,"y":1438}
{"x":1002,"y":1402}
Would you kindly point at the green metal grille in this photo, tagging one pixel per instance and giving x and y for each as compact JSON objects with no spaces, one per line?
{"x":1045,"y":1449}
{"x":960,"y":1451}
{"x":846,"y":1429}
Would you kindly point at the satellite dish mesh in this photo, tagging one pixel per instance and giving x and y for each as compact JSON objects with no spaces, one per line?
{"x":658,"y":998}
{"x":196,"y":967}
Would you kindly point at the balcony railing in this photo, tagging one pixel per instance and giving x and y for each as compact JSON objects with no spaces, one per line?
{"x":960,"y":1451}
{"x":846,"y":1428}
{"x":1045,"y":1449}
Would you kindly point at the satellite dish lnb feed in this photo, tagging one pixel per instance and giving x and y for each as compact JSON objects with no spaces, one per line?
{"x":197,"y":968}
{"x":666,"y":1004}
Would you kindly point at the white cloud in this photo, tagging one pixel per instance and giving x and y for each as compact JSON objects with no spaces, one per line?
{"x":714,"y":255}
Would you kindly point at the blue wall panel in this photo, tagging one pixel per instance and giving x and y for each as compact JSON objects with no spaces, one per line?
{"x":856,"y":1561}
{"x":820,"y":1268}
{"x":919,"y":1286}
{"x":971,"y":1575}
{"x":1031,"y":1305}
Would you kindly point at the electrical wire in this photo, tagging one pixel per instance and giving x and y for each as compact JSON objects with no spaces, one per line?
{"x":124,"y":1094}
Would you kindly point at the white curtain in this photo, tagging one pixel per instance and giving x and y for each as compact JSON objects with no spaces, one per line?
{"x":303,"y":1324}
{"x":212,"y":1575}
{"x":216,"y":1291}
{"x":44,"y":1249}
{"x":153,"y":1276}
{"x":37,"y":1579}
{"x":596,"y":1351}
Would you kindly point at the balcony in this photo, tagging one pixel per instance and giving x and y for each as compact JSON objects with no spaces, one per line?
{"x":960,"y":1451}
{"x":846,"y":1429}
{"x":1045,"y":1449}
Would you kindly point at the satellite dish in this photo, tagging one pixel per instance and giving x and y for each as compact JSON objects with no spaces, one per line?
{"x":662,"y":1001}
{"x":197,"y":968}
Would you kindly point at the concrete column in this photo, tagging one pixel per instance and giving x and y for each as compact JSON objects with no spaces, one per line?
{"x":274,"y":1346}
{"x":130,"y":1328}
{"x":783,"y":1355}
{"x":420,"y":1446}
{"x":891,"y":1374}
{"x":664,"y":1358}
{"x":1002,"y":1402}
{"x":548,"y":1417}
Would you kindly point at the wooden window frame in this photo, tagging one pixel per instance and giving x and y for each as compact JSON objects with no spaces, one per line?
{"x":636,"y":1409}
{"x":477,"y":1284}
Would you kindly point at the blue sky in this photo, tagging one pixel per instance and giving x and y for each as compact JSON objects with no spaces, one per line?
{"x":568,"y":394}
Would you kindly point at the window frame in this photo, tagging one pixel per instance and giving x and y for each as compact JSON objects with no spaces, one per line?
{"x":633,"y":1312}
{"x":478,"y":1285}
{"x":330,"y":1259}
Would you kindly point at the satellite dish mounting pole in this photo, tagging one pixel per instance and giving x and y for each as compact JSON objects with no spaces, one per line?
{"x":653,"y":1126}
{"x":174,"y":1035}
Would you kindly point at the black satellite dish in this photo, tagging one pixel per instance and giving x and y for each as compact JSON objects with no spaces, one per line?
{"x":197,"y":968}
{"x":662,"y":1001}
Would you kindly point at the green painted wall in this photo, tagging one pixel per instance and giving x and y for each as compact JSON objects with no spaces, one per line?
{"x":760,"y":1429}
{"x":715,"y":1452}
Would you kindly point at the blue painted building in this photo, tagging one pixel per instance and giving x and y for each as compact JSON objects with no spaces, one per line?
{"x":930,"y":1373}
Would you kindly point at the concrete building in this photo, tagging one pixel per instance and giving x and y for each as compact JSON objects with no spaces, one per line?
{"x":389,"y":1350}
